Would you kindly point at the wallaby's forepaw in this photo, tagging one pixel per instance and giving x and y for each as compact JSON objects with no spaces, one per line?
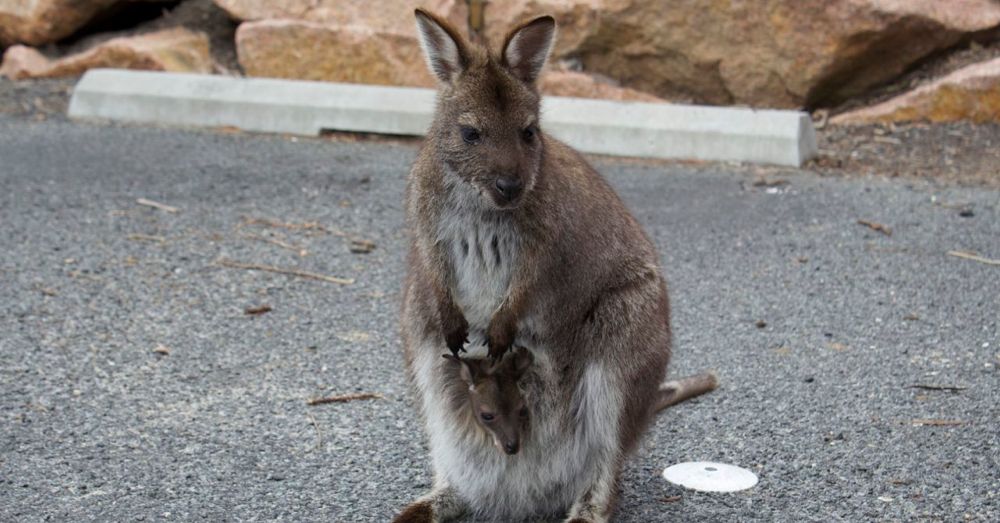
{"x":456,"y":333}
{"x":419,"y":512}
{"x":456,"y":341}
{"x":500,"y":335}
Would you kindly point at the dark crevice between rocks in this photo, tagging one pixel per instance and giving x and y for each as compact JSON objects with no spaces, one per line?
{"x":966,"y":50}
{"x":876,"y":57}
{"x":121,"y":17}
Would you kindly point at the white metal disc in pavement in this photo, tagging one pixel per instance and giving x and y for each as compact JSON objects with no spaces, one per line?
{"x":710,"y":477}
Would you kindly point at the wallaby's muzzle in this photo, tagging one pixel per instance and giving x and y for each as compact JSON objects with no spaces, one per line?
{"x":509,"y":188}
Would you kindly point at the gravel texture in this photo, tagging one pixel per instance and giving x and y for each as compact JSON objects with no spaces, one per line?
{"x":134,"y":386}
{"x":953,"y":153}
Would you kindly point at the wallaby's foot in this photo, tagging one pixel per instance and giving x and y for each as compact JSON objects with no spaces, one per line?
{"x":500,"y":334}
{"x":441,"y":504}
{"x":417,"y":512}
{"x":597,"y":504}
{"x":587,"y":514}
{"x":590,"y":518}
{"x":673,"y":392}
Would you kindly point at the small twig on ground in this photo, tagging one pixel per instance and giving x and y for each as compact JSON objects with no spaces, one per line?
{"x":319,"y":433}
{"x":875,"y":226}
{"x":48,"y":291}
{"x":307,"y":226}
{"x":147,"y":238}
{"x":162,"y":350}
{"x":670,"y":499}
{"x":888,"y":139}
{"x":950,"y":205}
{"x":291,"y":272}
{"x":767,"y":182}
{"x":274,"y":241}
{"x":974,"y":257}
{"x":343,"y":398}
{"x":157,"y":205}
{"x":951,"y":388}
{"x":935,"y":422}
{"x":252,"y":311}
{"x":361,"y":246}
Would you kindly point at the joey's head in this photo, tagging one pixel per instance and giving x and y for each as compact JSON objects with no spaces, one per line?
{"x":485,"y":130}
{"x":494,"y":397}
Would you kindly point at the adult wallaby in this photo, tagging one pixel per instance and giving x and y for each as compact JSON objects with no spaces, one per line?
{"x":515,"y":239}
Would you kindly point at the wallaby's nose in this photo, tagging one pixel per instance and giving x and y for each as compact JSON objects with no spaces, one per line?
{"x":510,"y":448}
{"x":509,"y":187}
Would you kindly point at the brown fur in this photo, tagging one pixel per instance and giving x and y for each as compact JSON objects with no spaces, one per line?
{"x":421,"y":512}
{"x":587,"y":285}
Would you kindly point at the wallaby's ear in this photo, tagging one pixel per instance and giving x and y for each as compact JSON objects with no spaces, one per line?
{"x":527,"y":47}
{"x":522,"y":360}
{"x":443,"y":48}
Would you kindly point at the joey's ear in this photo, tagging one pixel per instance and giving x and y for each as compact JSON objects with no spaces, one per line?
{"x":444,"y":49}
{"x":466,"y":370}
{"x":522,"y":359}
{"x":526,"y":48}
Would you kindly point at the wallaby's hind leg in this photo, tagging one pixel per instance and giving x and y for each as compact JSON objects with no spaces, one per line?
{"x":597,"y":503}
{"x":672,"y":392}
{"x":440,"y":504}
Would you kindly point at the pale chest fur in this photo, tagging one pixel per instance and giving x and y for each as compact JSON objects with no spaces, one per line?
{"x":482,"y":250}
{"x":565,"y":441}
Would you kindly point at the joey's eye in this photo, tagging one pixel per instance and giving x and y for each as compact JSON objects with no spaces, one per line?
{"x":470,"y":135}
{"x":486,"y":416}
{"x":523,"y":412}
{"x":528,"y":133}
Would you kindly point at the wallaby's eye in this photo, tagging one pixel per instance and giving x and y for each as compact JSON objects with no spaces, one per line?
{"x":523,"y":412}
{"x":528,"y":133}
{"x":470,"y":135}
{"x":486,"y":416}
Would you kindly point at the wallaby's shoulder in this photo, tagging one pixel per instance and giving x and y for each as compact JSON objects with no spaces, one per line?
{"x":425,"y":189}
{"x":586,"y":202}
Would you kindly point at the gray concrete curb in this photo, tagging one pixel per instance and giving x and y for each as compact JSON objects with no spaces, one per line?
{"x":308,"y":108}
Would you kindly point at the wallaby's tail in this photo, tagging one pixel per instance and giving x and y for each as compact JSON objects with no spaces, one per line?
{"x":673,"y":392}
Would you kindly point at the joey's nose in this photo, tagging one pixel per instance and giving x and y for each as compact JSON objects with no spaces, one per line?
{"x":510,"y":448}
{"x":509,"y":187}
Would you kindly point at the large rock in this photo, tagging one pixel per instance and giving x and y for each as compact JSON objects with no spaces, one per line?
{"x":37,"y":22}
{"x":394,"y":16}
{"x":336,"y":53}
{"x":776,"y":53}
{"x":971,"y":93}
{"x":177,"y":50}
{"x":354,"y":41}
{"x":581,"y":85}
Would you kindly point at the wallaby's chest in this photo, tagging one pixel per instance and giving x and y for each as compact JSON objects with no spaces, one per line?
{"x":482,"y":250}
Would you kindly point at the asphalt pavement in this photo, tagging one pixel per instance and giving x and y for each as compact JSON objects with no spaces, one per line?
{"x":135,"y":385}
